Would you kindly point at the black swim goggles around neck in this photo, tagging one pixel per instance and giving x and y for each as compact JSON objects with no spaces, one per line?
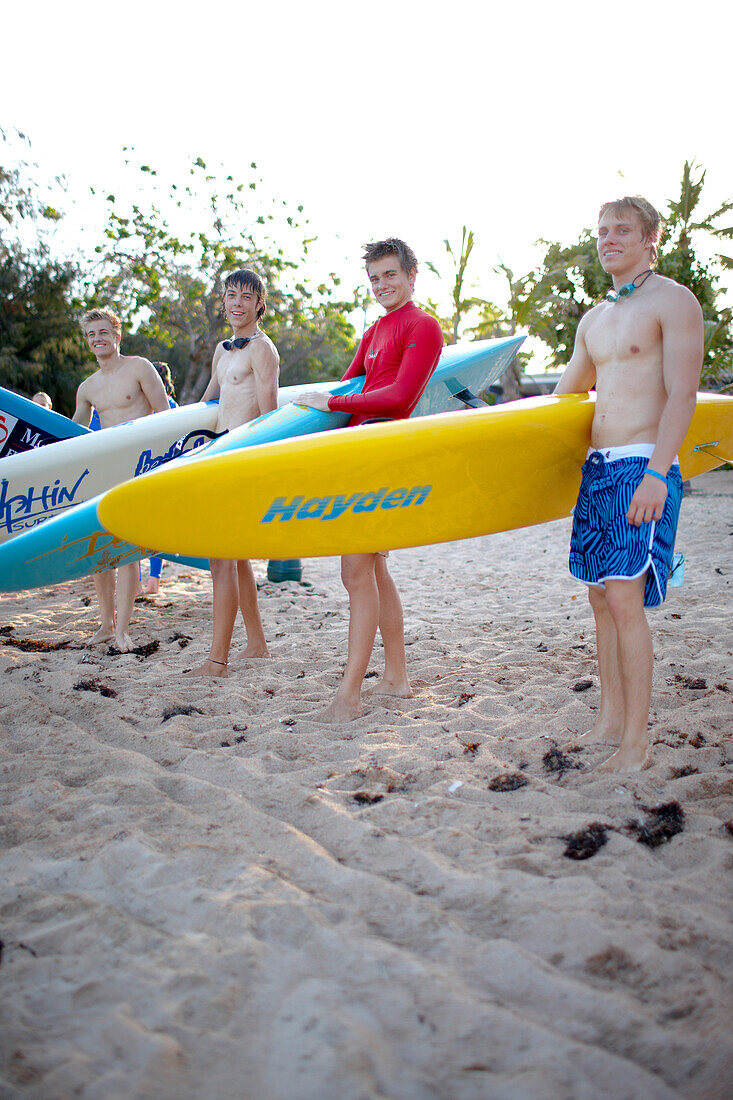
{"x":240,"y":342}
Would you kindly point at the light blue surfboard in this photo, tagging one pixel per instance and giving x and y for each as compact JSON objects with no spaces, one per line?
{"x":25,"y":425}
{"x":75,"y":543}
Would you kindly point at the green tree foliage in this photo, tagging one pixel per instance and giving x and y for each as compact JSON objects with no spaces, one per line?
{"x":40,"y":344}
{"x":551,"y":300}
{"x":485,"y":314}
{"x":19,"y":192}
{"x":473,"y":317}
{"x":532,"y":306}
{"x":167,"y":278}
{"x":685,"y":226}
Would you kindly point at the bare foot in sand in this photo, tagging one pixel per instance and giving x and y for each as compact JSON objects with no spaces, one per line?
{"x":104,"y":634}
{"x":338,"y":711}
{"x":601,"y":734}
{"x":151,"y":588}
{"x":209,"y":668}
{"x":629,"y":758}
{"x":122,"y":641}
{"x":254,"y":650}
{"x":400,"y":690}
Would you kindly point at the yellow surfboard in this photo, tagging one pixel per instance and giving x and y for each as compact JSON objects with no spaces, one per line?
{"x":384,"y":486}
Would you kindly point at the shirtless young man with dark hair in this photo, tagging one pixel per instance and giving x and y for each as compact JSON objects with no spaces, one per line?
{"x":642,"y":349}
{"x":397,"y":354}
{"x":124,"y":388}
{"x":244,"y":376}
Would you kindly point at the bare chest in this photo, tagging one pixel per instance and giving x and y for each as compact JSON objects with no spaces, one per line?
{"x":119,"y":396}
{"x":624,"y":334}
{"x":235,"y":370}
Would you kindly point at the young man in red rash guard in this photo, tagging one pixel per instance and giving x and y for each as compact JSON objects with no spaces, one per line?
{"x":397,"y":354}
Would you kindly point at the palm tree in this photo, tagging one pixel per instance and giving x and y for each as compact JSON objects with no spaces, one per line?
{"x":462,"y":306}
{"x":681,"y":212}
{"x":678,"y":260}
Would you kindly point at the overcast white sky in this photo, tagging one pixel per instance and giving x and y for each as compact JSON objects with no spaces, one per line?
{"x":409,"y":119}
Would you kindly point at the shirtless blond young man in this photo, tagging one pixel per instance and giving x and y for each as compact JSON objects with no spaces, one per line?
{"x":123,"y":388}
{"x":642,"y":349}
{"x":244,"y":376}
{"x":397,"y":354}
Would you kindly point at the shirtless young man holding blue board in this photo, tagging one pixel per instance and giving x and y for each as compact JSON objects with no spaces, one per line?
{"x":244,"y":376}
{"x":397,"y":354}
{"x":124,"y":388}
{"x":642,"y":349}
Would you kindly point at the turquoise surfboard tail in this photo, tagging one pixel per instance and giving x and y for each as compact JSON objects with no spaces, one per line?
{"x":75,"y":543}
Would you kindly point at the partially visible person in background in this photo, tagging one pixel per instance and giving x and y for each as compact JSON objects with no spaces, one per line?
{"x":43,"y":399}
{"x":123,"y":388}
{"x":156,"y":564}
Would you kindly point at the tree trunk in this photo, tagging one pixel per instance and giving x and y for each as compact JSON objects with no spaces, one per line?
{"x":510,"y":381}
{"x":197,"y":376}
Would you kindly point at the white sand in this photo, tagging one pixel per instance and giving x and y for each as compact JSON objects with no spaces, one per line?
{"x":184,"y":918}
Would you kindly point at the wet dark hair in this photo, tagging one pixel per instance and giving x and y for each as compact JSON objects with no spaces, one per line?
{"x":249,"y":280}
{"x":165,"y":373}
{"x":392,"y":246}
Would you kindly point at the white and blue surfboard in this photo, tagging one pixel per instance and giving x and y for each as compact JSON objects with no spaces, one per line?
{"x":75,"y":543}
{"x":37,"y":485}
{"x":25,"y":426}
{"x":40,"y":484}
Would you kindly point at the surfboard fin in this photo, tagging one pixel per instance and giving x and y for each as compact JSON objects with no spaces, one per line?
{"x":469,"y":399}
{"x":707,"y":448}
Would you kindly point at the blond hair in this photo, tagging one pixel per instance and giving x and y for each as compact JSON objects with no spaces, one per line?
{"x":104,"y":313}
{"x":649,"y":216}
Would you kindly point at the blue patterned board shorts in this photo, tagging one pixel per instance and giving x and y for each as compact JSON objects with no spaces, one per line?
{"x":604,"y":545}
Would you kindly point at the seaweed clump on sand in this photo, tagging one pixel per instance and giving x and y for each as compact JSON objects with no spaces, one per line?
{"x":660,"y":825}
{"x":586,"y":842}
{"x":92,"y":685}
{"x":35,"y":645}
{"x":138,"y":650}
{"x":366,"y":798}
{"x":184,"y":708}
{"x":556,"y":761}
{"x":507,"y":782}
{"x":465,"y":697}
{"x":692,"y":683}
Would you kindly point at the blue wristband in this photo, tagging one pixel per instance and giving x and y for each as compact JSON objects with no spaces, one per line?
{"x":655,"y":474}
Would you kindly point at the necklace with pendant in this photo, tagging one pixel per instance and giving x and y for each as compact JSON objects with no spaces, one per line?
{"x":629,"y":288}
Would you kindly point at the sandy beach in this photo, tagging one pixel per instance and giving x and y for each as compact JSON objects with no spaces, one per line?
{"x":206,"y":895}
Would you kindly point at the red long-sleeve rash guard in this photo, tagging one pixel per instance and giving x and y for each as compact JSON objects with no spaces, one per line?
{"x":397,"y":354}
